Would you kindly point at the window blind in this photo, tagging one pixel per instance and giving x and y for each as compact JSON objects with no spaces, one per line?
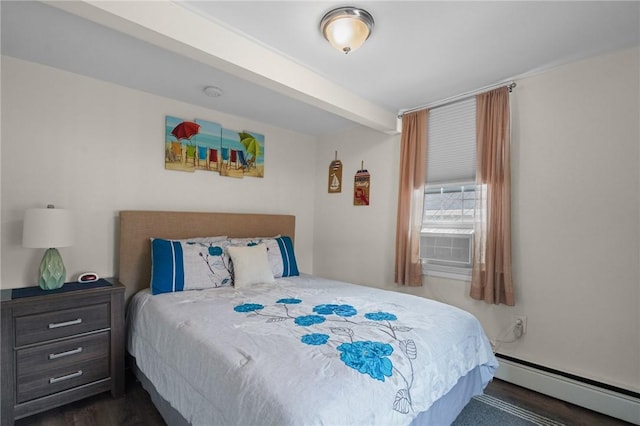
{"x":451,"y":146}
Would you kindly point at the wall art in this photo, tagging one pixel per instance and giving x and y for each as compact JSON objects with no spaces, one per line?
{"x":179,"y":143}
{"x":253,"y":144}
{"x":205,"y":145}
{"x":335,"y":176}
{"x":361,"y":187}
{"x":208,"y":146}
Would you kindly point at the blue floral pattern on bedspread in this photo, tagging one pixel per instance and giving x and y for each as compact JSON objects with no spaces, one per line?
{"x":341,"y":326}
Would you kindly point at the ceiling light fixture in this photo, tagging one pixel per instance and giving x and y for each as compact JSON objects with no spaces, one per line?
{"x":346,"y":28}
{"x":212,"y":91}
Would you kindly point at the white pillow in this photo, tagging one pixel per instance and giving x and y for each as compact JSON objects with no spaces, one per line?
{"x":280,"y":253}
{"x":250,"y":265}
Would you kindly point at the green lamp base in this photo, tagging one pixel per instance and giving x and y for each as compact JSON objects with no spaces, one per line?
{"x":52,"y":270}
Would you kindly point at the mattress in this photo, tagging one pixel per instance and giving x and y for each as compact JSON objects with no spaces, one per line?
{"x":306,"y":350}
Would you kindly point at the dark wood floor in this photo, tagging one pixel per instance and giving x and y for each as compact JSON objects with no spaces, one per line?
{"x":555,"y":409}
{"x":132,"y":409}
{"x":136,"y":408}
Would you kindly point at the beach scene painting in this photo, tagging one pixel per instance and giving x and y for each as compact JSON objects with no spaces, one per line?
{"x":208,"y":146}
{"x":205,"y":145}
{"x":179,"y":143}
{"x":253,"y":144}
{"x":242,"y":153}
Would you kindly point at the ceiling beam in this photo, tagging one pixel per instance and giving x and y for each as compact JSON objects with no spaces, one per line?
{"x":175,"y":28}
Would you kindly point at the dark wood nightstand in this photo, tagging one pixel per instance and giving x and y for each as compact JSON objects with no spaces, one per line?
{"x":59,"y":346}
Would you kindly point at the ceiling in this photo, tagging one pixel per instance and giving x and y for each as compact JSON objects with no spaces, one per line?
{"x":273,"y":65}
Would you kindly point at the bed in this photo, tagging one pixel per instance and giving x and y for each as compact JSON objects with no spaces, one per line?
{"x":291,"y":350}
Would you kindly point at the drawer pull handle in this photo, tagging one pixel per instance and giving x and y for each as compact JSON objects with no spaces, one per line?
{"x":67,"y":353}
{"x":67,"y":377}
{"x":65,"y":324}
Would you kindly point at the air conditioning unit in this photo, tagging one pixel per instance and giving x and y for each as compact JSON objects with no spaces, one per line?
{"x":447,"y":248}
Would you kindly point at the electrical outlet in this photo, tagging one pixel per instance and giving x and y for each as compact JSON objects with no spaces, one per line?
{"x":522,"y":319}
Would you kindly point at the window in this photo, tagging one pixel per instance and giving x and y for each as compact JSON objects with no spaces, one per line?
{"x":446,"y":241}
{"x":447,"y":232}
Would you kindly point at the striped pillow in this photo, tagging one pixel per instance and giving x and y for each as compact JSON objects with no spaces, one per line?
{"x":179,"y":265}
{"x":282,"y":257}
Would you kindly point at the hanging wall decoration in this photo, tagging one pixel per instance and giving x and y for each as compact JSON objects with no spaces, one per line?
{"x":230,"y":165}
{"x":208,"y":146}
{"x":335,"y":175}
{"x":204,"y":145}
{"x":252,"y":157}
{"x":361,"y":186}
{"x":179,"y":144}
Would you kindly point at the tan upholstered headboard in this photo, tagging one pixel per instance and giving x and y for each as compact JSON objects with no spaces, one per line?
{"x":137,"y":227}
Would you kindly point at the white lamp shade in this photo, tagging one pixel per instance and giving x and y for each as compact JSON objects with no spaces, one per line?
{"x":47,"y":228}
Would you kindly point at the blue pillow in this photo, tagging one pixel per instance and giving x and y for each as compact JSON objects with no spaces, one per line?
{"x":179,"y":265}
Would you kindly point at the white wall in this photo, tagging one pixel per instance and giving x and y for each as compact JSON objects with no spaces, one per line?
{"x":357,"y":243}
{"x":97,"y":148}
{"x":576,"y":220}
{"x":576,"y":216}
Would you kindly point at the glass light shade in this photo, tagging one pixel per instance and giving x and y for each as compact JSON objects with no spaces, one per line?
{"x":346,"y":28}
{"x":49,"y":228}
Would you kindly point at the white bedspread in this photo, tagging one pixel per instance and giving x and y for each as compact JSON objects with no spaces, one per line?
{"x":303,"y":351}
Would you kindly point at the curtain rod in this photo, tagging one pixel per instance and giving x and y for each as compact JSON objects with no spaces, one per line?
{"x":511,"y":85}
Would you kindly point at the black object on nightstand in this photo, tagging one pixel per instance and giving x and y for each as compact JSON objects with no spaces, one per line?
{"x":60,"y":346}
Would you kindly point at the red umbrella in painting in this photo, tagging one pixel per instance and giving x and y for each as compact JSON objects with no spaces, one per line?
{"x":185,"y":130}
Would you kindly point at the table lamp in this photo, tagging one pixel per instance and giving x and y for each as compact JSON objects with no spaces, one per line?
{"x":49,"y":228}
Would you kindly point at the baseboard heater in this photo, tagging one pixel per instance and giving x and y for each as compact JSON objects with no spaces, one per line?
{"x":610,"y":400}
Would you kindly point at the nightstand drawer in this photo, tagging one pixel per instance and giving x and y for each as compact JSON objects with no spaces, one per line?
{"x":33,"y":360}
{"x":42,"y":370}
{"x":52,"y":325}
{"x":34,"y":385}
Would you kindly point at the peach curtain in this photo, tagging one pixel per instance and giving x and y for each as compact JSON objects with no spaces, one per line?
{"x":413,"y":168}
{"x":491,"y":277}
